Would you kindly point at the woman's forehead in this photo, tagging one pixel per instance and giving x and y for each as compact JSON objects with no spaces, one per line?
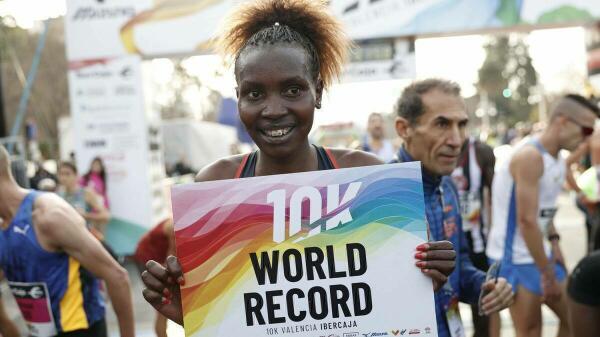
{"x":276,"y":59}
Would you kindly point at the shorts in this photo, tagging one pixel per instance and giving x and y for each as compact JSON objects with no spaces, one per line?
{"x":584,"y":283}
{"x":97,"y":329}
{"x":528,"y":276}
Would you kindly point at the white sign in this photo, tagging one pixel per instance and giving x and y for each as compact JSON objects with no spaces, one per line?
{"x":110,"y":121}
{"x":382,"y":59}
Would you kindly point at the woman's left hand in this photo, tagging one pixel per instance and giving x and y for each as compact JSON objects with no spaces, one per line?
{"x":437,"y":260}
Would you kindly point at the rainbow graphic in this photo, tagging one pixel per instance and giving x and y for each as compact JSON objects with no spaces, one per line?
{"x":219,"y":224}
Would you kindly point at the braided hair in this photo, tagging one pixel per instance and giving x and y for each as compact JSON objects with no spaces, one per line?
{"x":306,"y":23}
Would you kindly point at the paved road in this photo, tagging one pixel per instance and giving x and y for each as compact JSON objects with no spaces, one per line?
{"x":569,"y":222}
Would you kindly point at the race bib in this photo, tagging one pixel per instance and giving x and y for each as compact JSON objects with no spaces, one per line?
{"x":470,"y":210}
{"x":34,"y":301}
{"x":545,"y":216}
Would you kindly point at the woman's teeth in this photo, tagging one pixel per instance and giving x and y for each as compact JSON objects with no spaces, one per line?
{"x":278,"y":132}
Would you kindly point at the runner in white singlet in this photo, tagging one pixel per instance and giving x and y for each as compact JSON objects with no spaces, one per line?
{"x":523,"y":236}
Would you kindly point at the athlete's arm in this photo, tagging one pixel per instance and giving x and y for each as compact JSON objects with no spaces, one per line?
{"x":527,"y":168}
{"x":7,"y":327}
{"x":573,"y":158}
{"x":99,"y":213}
{"x":61,"y":228}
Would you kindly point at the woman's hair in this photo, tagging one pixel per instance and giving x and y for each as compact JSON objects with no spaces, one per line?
{"x":102,"y":174}
{"x":305,"y":22}
{"x":68,"y":165}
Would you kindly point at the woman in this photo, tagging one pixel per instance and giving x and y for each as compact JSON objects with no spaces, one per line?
{"x":286,"y":52}
{"x":84,"y":200}
{"x":95,"y":178}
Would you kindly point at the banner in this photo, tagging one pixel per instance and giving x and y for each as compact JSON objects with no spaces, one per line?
{"x":110,"y":121}
{"x":325,"y":253}
{"x":381,"y":59}
{"x":153,"y":28}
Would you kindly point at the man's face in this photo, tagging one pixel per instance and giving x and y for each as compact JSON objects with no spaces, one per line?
{"x":573,"y":129}
{"x":436,"y":137}
{"x":375,"y":126}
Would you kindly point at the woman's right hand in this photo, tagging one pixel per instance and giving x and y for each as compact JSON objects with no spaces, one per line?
{"x":162,"y":288}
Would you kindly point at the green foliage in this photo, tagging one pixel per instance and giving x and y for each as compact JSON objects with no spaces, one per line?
{"x":509,"y":78}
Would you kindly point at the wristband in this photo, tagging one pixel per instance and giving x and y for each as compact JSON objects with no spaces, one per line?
{"x":553,"y":237}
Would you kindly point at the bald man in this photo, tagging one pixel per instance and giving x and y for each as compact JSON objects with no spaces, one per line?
{"x":53,"y":264}
{"x":523,"y":237}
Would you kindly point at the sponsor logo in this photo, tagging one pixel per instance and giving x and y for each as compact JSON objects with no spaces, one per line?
{"x":351,"y":334}
{"x":374,"y":334}
{"x":333,"y":335}
{"x":403,"y":332}
{"x":95,"y":143}
{"x":427,"y":330}
{"x":22,"y":231}
{"x":414,"y":332}
{"x":91,"y":13}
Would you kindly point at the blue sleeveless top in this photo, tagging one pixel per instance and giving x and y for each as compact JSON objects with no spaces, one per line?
{"x":55,"y":294}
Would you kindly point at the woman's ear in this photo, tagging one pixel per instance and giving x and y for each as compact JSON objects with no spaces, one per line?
{"x":319,"y":93}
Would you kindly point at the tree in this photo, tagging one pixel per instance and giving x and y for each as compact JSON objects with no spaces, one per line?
{"x":509,"y":78}
{"x":49,"y":96}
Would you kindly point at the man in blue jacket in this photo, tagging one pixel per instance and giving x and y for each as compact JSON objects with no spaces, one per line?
{"x":432,"y":121}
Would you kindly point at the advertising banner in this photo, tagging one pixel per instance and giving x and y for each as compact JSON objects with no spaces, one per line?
{"x":153,"y":28}
{"x":325,"y":253}
{"x":110,"y":121}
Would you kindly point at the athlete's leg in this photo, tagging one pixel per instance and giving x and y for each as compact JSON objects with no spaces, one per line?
{"x":584,"y":319}
{"x":495,"y":325}
{"x":561,"y":310}
{"x":160,"y":325}
{"x":526,"y":313}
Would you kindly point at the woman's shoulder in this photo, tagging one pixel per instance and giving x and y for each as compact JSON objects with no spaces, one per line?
{"x":224,"y":168}
{"x":353,"y":158}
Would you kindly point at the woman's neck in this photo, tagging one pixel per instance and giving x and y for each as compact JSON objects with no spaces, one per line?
{"x":302,"y":160}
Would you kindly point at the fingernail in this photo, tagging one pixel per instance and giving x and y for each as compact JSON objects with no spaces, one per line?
{"x":181,"y":281}
{"x":166,"y":301}
{"x":420,"y":256}
{"x":421,"y":264}
{"x":167,"y":293}
{"x":423,"y":247}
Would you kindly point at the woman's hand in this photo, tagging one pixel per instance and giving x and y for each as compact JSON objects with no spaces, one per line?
{"x":437,"y":260}
{"x":162,"y":288}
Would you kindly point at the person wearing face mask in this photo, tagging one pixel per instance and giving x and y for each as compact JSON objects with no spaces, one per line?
{"x":286,"y":52}
{"x":523,"y":237}
{"x":432,"y":121}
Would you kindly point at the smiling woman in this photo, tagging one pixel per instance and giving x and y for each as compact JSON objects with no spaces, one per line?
{"x":286,"y":52}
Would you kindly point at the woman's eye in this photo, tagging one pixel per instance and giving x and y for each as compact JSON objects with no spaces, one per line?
{"x":254,"y":94}
{"x":293,"y":91}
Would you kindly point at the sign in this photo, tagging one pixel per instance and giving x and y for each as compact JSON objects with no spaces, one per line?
{"x":381,"y":59}
{"x":326,"y":253}
{"x":109,"y":28}
{"x":110,"y":121}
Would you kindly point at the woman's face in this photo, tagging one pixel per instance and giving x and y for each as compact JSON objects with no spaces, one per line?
{"x":277,"y":97}
{"x":96,"y":166}
{"x":67,"y":177}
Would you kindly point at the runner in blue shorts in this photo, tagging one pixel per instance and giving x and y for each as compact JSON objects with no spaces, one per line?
{"x":523,"y":237}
